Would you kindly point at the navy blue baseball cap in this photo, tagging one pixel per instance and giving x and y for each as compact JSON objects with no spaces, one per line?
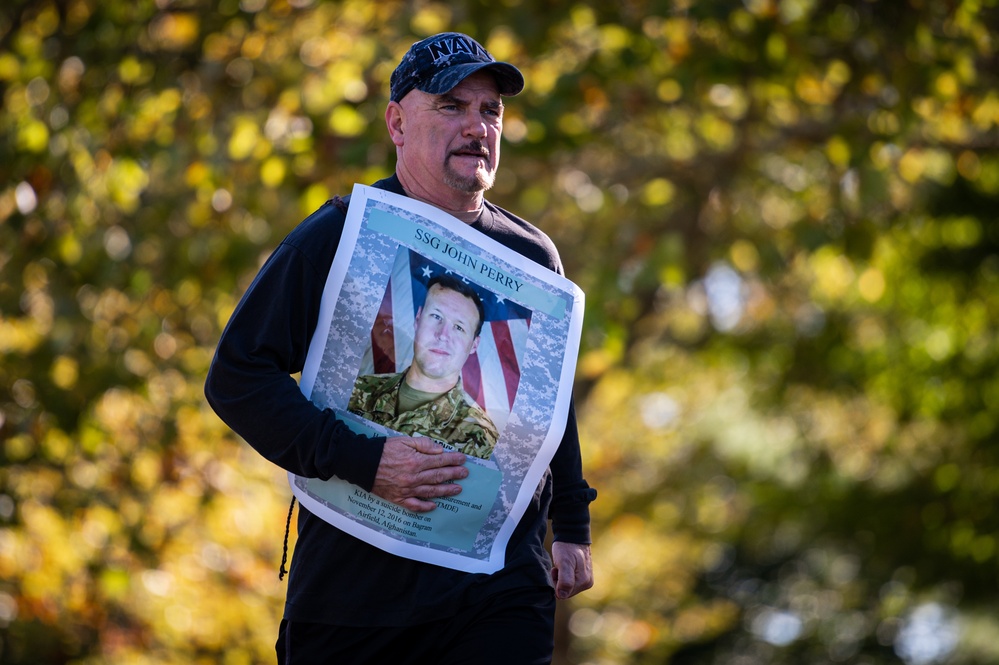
{"x":438,"y":63}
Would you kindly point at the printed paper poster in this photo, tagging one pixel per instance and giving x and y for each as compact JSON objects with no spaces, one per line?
{"x":417,"y":299}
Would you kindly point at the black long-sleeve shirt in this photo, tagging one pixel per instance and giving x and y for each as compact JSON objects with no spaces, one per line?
{"x":336,"y":578}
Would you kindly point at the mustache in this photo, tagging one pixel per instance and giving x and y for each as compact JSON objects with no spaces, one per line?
{"x":472,"y":148}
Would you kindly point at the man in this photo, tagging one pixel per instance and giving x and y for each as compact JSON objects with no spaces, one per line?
{"x":427,"y":398}
{"x":350,"y":602}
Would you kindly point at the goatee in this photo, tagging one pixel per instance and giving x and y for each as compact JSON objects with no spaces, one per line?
{"x":482,"y":180}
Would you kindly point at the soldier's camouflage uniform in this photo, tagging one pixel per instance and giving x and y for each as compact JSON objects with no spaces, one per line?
{"x":453,"y":417}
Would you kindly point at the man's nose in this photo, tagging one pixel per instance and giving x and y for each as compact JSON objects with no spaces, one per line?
{"x":474,"y":124}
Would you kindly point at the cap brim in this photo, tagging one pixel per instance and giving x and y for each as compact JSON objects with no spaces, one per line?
{"x":509,"y":80}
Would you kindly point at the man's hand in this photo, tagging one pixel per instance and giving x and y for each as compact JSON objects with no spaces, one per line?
{"x":413,"y":471}
{"x":573,"y":570}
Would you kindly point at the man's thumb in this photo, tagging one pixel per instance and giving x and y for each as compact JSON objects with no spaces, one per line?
{"x":563,"y":586}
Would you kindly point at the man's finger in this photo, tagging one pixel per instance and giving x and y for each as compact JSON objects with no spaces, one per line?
{"x":423,"y":497}
{"x":425,"y":445}
{"x":565,"y":583}
{"x":439,"y":456}
{"x":443,"y":475}
{"x":415,"y":505}
{"x":439,"y":490}
{"x":572,"y":571}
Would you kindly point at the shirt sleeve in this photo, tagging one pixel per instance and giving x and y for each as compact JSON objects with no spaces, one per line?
{"x":571,"y":494}
{"x":250,"y":384}
{"x":570,"y":507}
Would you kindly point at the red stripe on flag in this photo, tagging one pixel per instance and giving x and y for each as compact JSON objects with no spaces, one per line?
{"x":383,"y":337}
{"x":471,"y":380}
{"x":508,"y":358}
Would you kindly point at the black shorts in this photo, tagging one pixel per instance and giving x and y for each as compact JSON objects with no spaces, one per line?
{"x":513,"y":627}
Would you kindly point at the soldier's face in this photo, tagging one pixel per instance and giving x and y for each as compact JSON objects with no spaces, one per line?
{"x":444,"y":336}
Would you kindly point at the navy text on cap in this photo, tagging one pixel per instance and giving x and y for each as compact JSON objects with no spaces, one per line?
{"x":437,"y":64}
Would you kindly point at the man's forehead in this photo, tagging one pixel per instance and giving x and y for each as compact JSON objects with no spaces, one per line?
{"x":437,"y":293}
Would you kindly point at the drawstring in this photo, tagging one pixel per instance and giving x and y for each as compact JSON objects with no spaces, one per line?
{"x":287,"y":530}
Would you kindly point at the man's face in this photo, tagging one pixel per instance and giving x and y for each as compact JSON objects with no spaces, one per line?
{"x":444,"y":338}
{"x":454,"y":138}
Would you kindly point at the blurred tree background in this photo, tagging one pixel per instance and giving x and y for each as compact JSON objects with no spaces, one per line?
{"x":784,"y":213}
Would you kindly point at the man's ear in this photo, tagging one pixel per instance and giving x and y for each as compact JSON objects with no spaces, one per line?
{"x":394,"y":119}
{"x":475,"y":345}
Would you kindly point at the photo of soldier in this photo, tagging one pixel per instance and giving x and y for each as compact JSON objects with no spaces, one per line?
{"x":427,"y":398}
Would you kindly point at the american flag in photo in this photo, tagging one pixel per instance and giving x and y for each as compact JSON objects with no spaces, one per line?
{"x":491,"y":375}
